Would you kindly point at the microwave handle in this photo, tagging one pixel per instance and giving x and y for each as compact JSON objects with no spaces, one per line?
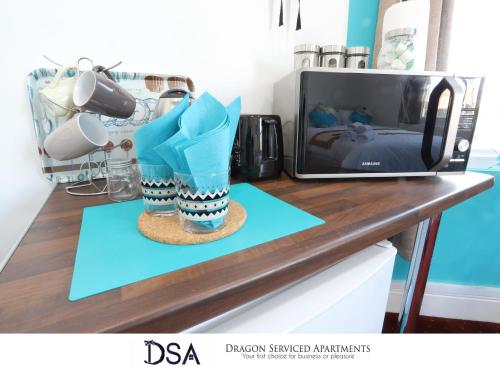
{"x":271,"y":138}
{"x":451,"y":127}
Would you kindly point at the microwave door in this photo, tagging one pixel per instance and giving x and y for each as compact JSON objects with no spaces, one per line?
{"x":375,"y":124}
{"x":446,"y":98}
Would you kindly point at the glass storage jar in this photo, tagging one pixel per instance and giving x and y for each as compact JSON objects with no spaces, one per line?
{"x":122,"y":179}
{"x":398,"y":50}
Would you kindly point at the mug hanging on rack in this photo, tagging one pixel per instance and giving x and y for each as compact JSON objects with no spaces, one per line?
{"x":80,"y":135}
{"x":59,"y":95}
{"x":84,"y":133}
{"x":101,"y":94}
{"x":60,"y":92}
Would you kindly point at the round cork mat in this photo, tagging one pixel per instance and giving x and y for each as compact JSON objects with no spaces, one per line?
{"x":168,"y":229}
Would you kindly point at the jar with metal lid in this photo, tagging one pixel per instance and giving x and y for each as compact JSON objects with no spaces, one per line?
{"x":357,"y":57}
{"x":306,"y":56}
{"x":122,"y":179}
{"x":333,"y":56}
{"x":398,"y":50}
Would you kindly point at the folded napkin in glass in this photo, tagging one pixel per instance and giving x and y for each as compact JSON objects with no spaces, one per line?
{"x":199,"y":152}
{"x":157,"y":177}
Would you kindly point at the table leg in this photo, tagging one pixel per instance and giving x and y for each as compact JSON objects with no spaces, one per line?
{"x":418,"y":273}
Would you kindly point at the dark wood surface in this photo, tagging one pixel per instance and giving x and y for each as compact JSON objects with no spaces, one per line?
{"x":432,"y":325}
{"x":34,"y":285}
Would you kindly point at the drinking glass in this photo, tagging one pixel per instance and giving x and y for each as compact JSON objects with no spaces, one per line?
{"x":202,"y":201}
{"x":158,"y":190}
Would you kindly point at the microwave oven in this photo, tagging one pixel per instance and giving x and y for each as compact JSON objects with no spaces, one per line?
{"x":376,"y":123}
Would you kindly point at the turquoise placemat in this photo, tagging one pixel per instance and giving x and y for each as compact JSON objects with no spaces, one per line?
{"x":112,"y":253}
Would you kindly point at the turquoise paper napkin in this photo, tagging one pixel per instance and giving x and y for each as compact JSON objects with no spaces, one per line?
{"x":204,"y":116}
{"x":156,"y":132}
{"x":218,"y":159}
{"x":204,"y":141}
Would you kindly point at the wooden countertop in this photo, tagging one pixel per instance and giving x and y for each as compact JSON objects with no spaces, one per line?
{"x":34,"y":285}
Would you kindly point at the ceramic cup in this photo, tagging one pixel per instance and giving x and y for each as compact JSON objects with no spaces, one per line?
{"x":98,"y":93}
{"x":60,"y":92}
{"x":81,"y":134}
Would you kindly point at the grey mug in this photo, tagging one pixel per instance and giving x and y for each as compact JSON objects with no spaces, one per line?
{"x":99,"y":93}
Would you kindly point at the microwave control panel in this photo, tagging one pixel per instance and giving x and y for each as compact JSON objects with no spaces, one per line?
{"x":463,"y":140}
{"x":466,"y":124}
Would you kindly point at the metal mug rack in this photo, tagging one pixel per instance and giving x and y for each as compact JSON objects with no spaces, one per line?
{"x":81,"y":188}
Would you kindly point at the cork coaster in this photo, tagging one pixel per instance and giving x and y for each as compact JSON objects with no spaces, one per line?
{"x":168,"y":229}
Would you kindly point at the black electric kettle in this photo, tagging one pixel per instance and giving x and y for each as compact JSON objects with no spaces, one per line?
{"x":258,"y":148}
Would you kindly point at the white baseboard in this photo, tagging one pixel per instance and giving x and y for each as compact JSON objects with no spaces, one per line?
{"x":453,"y":301}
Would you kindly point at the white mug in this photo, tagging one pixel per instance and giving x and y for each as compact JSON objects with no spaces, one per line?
{"x":81,"y":134}
{"x":60,"y":92}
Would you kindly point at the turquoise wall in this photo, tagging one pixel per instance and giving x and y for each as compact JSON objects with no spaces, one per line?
{"x":467,"y":248}
{"x":362,"y":23}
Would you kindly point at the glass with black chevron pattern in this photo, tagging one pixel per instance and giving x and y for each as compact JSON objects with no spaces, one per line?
{"x":202,"y":201}
{"x":158,"y":190}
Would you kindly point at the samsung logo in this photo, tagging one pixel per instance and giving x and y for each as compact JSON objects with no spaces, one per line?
{"x":370,"y":163}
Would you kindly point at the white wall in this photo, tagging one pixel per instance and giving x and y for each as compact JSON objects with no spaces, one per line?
{"x":481,"y":30}
{"x":229,"y":47}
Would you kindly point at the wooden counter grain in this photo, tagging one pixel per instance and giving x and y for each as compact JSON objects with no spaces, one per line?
{"x":34,"y":285}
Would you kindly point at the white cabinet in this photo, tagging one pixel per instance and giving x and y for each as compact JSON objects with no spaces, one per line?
{"x":349,"y":297}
